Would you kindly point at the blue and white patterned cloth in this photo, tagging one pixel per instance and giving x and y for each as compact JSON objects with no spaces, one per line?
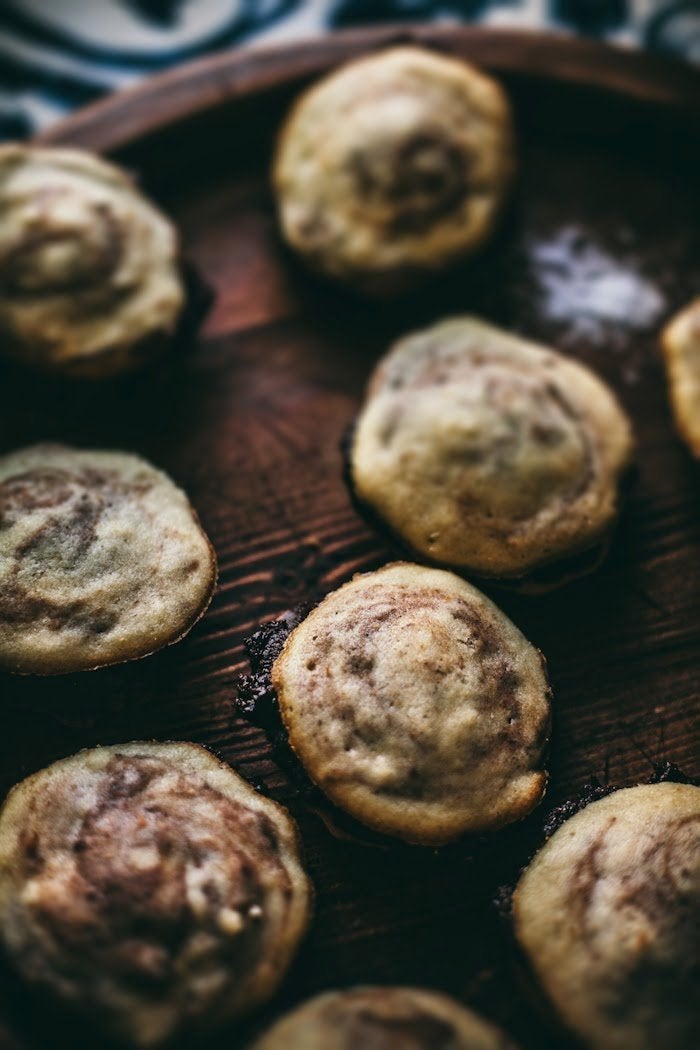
{"x":58,"y":54}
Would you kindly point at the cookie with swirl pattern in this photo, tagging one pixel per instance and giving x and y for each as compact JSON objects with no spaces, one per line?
{"x":490,"y":454}
{"x":102,"y":560}
{"x":90,"y":279}
{"x":416,"y":705}
{"x":393,"y":167}
{"x":680,"y":344}
{"x":149,"y":887}
{"x":383,"y":1018}
{"x":608,"y":915}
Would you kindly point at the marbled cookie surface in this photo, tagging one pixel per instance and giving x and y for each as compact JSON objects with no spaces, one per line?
{"x":150,"y":887}
{"x":680,"y":342}
{"x":89,"y":268}
{"x":383,"y":1018}
{"x":608,"y":914}
{"x":102,"y":559}
{"x":416,"y":705}
{"x":488,"y":453}
{"x":393,"y":166}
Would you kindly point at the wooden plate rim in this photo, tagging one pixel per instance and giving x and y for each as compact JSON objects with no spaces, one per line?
{"x":187,"y":91}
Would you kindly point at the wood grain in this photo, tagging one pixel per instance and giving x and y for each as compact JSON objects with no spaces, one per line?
{"x":249,"y":419}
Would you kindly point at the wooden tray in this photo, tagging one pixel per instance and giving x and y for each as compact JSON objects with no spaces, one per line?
{"x":250,"y":419}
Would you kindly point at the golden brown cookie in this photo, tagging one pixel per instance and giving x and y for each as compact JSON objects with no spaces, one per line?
{"x":608,"y":914}
{"x":394,"y":166}
{"x":680,"y":342}
{"x":149,"y":887}
{"x":383,"y":1018}
{"x":90,"y":281}
{"x":102,"y":559}
{"x":416,"y":705}
{"x":487,"y":453}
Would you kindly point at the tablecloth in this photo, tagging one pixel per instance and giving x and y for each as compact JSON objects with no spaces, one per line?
{"x":59,"y":54}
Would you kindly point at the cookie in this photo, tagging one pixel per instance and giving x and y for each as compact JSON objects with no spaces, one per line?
{"x":416,"y":705}
{"x":90,"y":281}
{"x":149,"y":887}
{"x":608,"y":916}
{"x":393,"y":167}
{"x":102,"y":560}
{"x":490,"y":454}
{"x":680,"y":343}
{"x":383,"y":1018}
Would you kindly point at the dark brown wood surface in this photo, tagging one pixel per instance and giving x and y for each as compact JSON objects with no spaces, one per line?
{"x":249,"y":417}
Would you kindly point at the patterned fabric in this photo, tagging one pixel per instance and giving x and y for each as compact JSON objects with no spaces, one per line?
{"x":57,"y":54}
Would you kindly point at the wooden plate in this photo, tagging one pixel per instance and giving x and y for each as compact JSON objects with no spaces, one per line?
{"x":250,"y":419}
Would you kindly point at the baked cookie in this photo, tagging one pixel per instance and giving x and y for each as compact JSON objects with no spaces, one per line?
{"x":383,"y":1019}
{"x":90,"y":281}
{"x":394,"y":166}
{"x":416,"y":705}
{"x":149,"y":887}
{"x":102,"y":559}
{"x":680,"y":342}
{"x":488,"y":453}
{"x":608,"y":916}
